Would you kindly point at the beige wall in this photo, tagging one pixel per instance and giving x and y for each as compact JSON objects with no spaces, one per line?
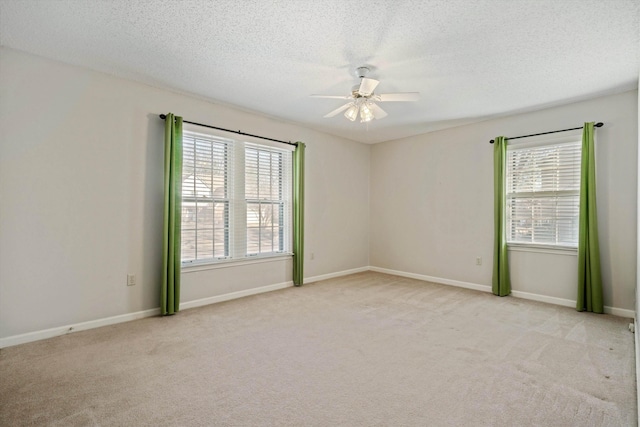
{"x":432,"y":202}
{"x":81,"y":193}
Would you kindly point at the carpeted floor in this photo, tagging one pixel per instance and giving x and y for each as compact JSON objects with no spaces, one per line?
{"x":362,"y":350}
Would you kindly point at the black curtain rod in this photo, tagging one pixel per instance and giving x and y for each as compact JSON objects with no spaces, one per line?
{"x":164,"y":116}
{"x":598,"y":125}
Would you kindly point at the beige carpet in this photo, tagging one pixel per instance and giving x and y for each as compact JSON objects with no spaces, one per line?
{"x":362,"y":350}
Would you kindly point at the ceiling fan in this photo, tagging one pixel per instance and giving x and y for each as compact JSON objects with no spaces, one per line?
{"x":363,"y":99}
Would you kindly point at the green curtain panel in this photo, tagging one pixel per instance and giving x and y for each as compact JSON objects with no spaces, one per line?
{"x":170,"y":293}
{"x":298,"y":214}
{"x":501,"y":281}
{"x":589,"y":275}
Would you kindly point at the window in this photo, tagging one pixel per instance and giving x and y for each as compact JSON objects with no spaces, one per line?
{"x":235,"y":198}
{"x":205,"y":197}
{"x":543,"y":193}
{"x":264,"y":191}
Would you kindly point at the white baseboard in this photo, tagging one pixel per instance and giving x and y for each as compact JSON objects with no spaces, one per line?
{"x":621,"y":312}
{"x":336,"y":274}
{"x":544,"y":298}
{"x":234,"y":295}
{"x":91,"y":324}
{"x":440,"y":280}
{"x":75,"y":327}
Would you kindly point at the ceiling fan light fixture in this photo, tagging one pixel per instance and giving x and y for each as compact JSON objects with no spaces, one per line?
{"x":363,"y":101}
{"x":366,"y":115}
{"x":352,"y":112}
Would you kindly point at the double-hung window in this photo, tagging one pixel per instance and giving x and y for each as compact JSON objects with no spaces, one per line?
{"x":543,"y":193}
{"x":236,"y":198}
{"x":267,"y":181}
{"x":206,"y":190}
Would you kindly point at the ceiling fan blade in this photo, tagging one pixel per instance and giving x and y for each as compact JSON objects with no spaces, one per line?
{"x":378,"y":112}
{"x":338,"y":110}
{"x":331,"y":96}
{"x":402,"y":96}
{"x":367,"y":86}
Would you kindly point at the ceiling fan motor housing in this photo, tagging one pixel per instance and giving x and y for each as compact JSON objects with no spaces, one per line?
{"x":362,"y":72}
{"x":355,"y":92}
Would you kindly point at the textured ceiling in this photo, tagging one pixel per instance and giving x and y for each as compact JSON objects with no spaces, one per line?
{"x":470,"y":60}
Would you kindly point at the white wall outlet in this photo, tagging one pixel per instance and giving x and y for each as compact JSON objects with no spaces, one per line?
{"x":479,"y":260}
{"x":312,"y":256}
{"x":131,"y":279}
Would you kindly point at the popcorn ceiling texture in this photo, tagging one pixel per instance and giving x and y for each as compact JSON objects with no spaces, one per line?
{"x":469,"y":60}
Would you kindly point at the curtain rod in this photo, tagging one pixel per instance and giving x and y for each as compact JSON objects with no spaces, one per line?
{"x":164,"y":116}
{"x":597,"y":125}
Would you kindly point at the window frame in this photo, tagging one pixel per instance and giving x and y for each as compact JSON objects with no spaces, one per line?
{"x":533,"y":142}
{"x":284,"y":187}
{"x":226,"y":145}
{"x":236,"y":253}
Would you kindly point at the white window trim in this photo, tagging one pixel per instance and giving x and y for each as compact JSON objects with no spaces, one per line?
{"x":539,"y":141}
{"x":231,"y":135}
{"x":287,"y":200}
{"x":235,"y":258}
{"x":194,"y":266}
{"x":543,"y":249}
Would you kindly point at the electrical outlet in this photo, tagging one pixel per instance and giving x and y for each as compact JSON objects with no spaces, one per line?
{"x":312,"y":256}
{"x":479,"y":260}
{"x":131,"y":279}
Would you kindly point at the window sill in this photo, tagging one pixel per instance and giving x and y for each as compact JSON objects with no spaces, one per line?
{"x":543,"y":249}
{"x":213,"y":265}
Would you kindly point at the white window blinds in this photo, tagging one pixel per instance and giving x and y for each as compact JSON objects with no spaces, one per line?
{"x":267,"y":190}
{"x":543,"y":194}
{"x":206,"y":187}
{"x":236,"y":199}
